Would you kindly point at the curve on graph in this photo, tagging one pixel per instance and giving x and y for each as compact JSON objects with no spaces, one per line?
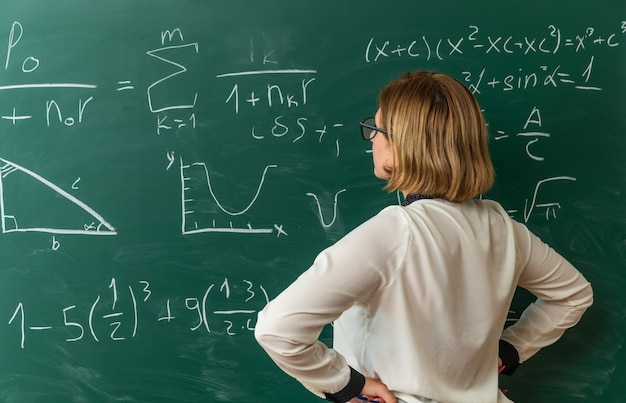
{"x":319,"y":208}
{"x":256,"y":195}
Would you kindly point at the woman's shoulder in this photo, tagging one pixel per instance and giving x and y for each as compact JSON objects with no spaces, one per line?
{"x":434,"y":207}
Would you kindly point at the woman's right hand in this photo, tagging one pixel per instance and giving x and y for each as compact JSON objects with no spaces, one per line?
{"x":375,"y":390}
{"x":500,"y":366}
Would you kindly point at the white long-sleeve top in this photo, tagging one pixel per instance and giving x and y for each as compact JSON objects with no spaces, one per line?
{"x":419,"y":296}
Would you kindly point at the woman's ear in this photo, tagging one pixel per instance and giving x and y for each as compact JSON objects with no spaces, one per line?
{"x":389,"y":163}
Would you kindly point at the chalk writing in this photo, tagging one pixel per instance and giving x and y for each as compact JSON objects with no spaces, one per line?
{"x":553,"y":76}
{"x":52,"y":106}
{"x":171,"y":114}
{"x":223,"y":309}
{"x":14,"y":117}
{"x":30,"y":63}
{"x":96,"y":224}
{"x":534,"y":119}
{"x":319,"y":208}
{"x":53,"y":110}
{"x":280,"y":129}
{"x":535,"y":136}
{"x":550,"y":206}
{"x":179,"y":69}
{"x":268,"y":87}
{"x":551,"y":41}
{"x":273,"y":94}
{"x":125,"y":86}
{"x":295,"y":130}
{"x":194,"y":200}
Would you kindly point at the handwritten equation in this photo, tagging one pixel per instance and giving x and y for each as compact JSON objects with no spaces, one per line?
{"x":551,"y":42}
{"x":287,"y":99}
{"x":54,"y":112}
{"x":202,"y":210}
{"x":534,"y":121}
{"x":224,"y":308}
{"x":553,"y":76}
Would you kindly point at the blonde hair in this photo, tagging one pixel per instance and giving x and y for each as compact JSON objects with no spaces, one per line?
{"x":438,"y":137}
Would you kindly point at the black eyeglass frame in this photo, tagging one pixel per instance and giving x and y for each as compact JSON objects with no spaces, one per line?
{"x":371,"y":128}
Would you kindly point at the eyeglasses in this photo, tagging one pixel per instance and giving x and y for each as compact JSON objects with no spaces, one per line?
{"x":369,"y":129}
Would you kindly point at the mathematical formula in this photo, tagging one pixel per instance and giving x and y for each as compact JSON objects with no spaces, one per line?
{"x":552,"y":41}
{"x":278,"y":91}
{"x":223,"y":308}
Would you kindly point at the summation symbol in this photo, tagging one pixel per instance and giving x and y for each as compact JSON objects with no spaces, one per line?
{"x":160,"y":92}
{"x":179,"y":69}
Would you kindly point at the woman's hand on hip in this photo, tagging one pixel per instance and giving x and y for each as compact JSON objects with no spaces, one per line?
{"x":375,"y":390}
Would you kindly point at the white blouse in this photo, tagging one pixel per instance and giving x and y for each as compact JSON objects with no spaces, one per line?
{"x":419,"y":296}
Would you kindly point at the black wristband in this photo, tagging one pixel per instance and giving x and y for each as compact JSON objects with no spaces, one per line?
{"x":509,"y":356}
{"x":352,"y":389}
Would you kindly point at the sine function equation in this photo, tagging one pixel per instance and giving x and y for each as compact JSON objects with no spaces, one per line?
{"x":478,"y":44}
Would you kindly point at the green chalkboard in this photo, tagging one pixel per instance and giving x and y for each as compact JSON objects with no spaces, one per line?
{"x":169,"y":166}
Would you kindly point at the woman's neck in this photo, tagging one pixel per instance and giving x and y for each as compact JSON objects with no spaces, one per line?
{"x":410,"y":198}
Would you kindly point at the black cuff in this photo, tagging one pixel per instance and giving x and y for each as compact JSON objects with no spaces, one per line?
{"x":509,"y":356}
{"x":352,"y":389}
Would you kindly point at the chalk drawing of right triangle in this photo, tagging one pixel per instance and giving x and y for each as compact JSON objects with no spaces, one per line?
{"x":31,"y":203}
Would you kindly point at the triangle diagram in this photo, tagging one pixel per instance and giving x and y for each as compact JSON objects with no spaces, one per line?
{"x":31,"y":203}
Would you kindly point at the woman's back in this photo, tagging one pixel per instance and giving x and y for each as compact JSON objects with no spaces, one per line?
{"x":441,"y":314}
{"x":433,"y":328}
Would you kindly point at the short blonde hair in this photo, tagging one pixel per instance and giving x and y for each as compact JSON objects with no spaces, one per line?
{"x":438,"y":137}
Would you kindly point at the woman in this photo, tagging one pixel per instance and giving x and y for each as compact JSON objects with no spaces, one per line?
{"x":419,"y":294}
